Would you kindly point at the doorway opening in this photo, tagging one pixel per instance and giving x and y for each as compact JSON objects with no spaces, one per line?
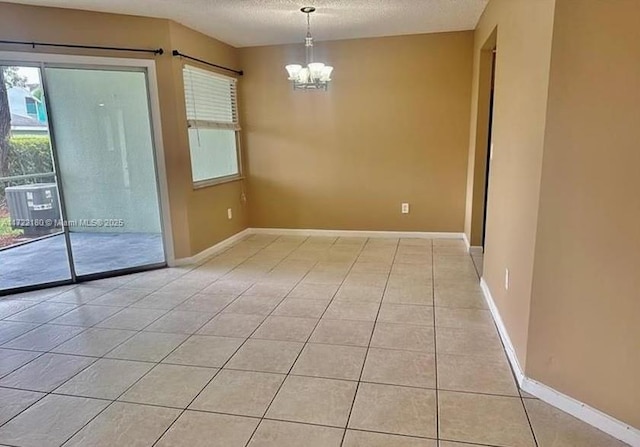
{"x":490,"y":147}
{"x":483,"y":150}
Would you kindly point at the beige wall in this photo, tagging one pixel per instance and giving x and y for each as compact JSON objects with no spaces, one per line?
{"x":392,"y":128}
{"x":198,"y":217}
{"x":584,"y":337}
{"x":524,"y":32}
{"x":206,"y":207}
{"x":563,"y":193}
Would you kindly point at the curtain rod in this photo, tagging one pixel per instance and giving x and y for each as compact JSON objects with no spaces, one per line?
{"x":177,"y":53}
{"x":88,"y":47}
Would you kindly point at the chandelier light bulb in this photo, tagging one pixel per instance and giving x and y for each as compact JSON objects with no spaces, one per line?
{"x":326,"y":73}
{"x":316,"y":69}
{"x":304,"y":77}
{"x":294,"y":71}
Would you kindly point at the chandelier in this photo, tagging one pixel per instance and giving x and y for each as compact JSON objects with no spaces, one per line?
{"x":316,"y":75}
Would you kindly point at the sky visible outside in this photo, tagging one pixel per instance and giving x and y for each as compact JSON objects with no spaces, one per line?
{"x":32,"y":74}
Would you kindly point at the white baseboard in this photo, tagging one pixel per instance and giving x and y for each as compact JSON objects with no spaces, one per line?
{"x":614,"y":427}
{"x":504,"y":335}
{"x":356,"y":233}
{"x":295,"y":232}
{"x":220,"y":246}
{"x":476,"y":250}
{"x":472,"y":249}
{"x":584,"y":412}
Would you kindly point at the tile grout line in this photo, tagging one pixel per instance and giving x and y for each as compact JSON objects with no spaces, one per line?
{"x":263,"y":417}
{"x":305,"y":344}
{"x":157,"y":363}
{"x":247,"y":338}
{"x":353,"y":263}
{"x":103,"y":356}
{"x":107,"y":290}
{"x":435,"y":343}
{"x":86,"y":328}
{"x":83,"y":331}
{"x":183,"y":410}
{"x":47,"y":393}
{"x":526,"y":415}
{"x":270,"y":419}
{"x":412,"y":387}
{"x":226,"y":336}
{"x":95,"y":358}
{"x":10,"y":297}
{"x":513,"y":374}
{"x":373,"y":330}
{"x":471,"y":443}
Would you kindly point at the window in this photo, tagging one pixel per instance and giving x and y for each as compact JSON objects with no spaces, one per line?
{"x":212,"y":116}
{"x":31,"y":107}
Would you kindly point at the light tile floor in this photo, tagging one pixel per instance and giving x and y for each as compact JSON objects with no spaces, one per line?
{"x":278,"y":341}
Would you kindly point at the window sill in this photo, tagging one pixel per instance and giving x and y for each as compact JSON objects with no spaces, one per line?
{"x":218,"y":181}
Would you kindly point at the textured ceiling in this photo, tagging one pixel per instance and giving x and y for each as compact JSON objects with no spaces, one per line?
{"x":264,"y":22}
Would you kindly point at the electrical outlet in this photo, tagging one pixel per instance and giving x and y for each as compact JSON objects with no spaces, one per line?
{"x":506,"y":279}
{"x":405,"y":208}
{"x":229,"y":213}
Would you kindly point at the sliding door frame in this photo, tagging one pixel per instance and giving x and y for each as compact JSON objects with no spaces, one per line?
{"x":146,"y":66}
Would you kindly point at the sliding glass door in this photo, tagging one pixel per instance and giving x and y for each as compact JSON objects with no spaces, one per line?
{"x":101,"y":180}
{"x":104,"y":145}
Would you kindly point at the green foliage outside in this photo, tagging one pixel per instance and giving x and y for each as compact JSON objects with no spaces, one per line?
{"x":5,"y":228}
{"x":27,"y":155}
{"x":19,"y":155}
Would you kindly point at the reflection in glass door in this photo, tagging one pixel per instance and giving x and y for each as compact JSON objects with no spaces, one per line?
{"x":101,"y":124}
{"x":33,"y":250}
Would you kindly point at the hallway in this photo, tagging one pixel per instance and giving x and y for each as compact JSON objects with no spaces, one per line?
{"x":278,"y":341}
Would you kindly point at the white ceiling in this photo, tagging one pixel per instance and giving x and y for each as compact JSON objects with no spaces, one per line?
{"x":264,"y":22}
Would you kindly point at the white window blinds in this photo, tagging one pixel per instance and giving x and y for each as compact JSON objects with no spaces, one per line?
{"x":211,"y":100}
